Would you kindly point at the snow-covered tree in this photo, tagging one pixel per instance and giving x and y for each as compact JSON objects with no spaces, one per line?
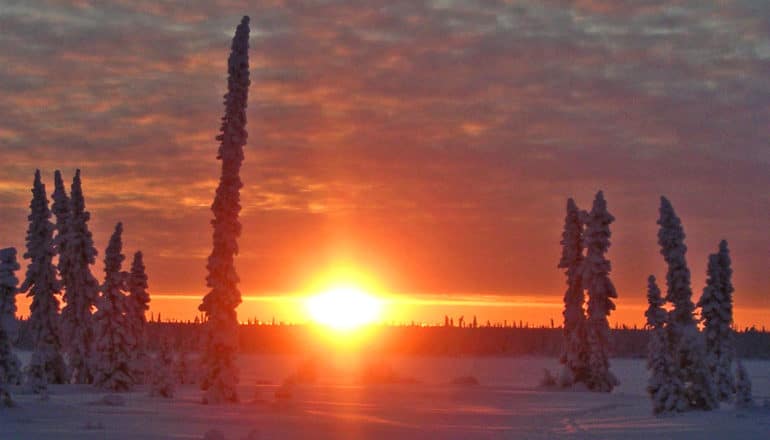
{"x":81,"y":288}
{"x":61,"y":208}
{"x":596,"y":279}
{"x":664,"y":387}
{"x":183,"y":370}
{"x":743,"y":395}
{"x":114,"y":341}
{"x":138,"y":300}
{"x":10,"y":371}
{"x":574,"y":355}
{"x":716,"y":305}
{"x":221,"y":336}
{"x":162,"y":382}
{"x":46,"y":365}
{"x":684,"y":341}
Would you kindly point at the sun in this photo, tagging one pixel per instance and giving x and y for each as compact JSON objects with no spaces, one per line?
{"x":344,"y":307}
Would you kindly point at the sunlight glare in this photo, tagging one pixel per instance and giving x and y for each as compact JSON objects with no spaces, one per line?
{"x":343,"y":308}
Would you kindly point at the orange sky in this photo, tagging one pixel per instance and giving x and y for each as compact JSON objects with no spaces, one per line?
{"x":429,"y":144}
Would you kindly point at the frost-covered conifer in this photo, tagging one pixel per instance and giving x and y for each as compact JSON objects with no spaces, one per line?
{"x":61,"y":208}
{"x":664,"y":387}
{"x":112,"y":369}
{"x":183,"y":370}
{"x":81,"y":288}
{"x":716,"y":305}
{"x":574,"y":355}
{"x":221,"y":337}
{"x":163,"y":383}
{"x":596,"y":279}
{"x":46,"y":365}
{"x":138,"y":300}
{"x":684,"y":341}
{"x":743,"y":395}
{"x":10,"y":371}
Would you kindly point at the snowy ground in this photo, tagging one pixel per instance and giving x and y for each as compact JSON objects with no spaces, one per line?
{"x":422,"y":405}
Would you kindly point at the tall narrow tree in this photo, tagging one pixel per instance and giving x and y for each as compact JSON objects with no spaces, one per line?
{"x":716,"y":305}
{"x":138,"y":304}
{"x":61,"y":208}
{"x":220,"y":373}
{"x":574,"y":355}
{"x":601,"y":292}
{"x":663,"y":386}
{"x":113,"y":335}
{"x":10,"y":371}
{"x":82,"y":288}
{"x":46,"y":365}
{"x":684,"y":340}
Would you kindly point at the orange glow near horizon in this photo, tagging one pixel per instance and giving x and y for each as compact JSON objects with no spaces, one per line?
{"x":421,"y":309}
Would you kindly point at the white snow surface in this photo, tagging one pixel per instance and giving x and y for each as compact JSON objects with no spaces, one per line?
{"x":424,"y":405}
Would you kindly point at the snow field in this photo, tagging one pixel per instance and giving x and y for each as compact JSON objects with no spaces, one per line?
{"x":419,"y":403}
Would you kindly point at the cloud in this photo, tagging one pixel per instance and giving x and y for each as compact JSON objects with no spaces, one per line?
{"x":434,"y":141}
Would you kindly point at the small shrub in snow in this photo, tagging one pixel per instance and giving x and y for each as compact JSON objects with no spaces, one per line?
{"x":112,"y":400}
{"x":306,"y":372}
{"x":5,"y":396}
{"x":743,"y":395}
{"x":380,"y":372}
{"x":548,"y":379}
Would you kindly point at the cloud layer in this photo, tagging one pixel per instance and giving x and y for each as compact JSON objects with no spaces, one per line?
{"x":434,"y":143}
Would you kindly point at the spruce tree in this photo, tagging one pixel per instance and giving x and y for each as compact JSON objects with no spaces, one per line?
{"x":574,"y":355}
{"x":46,"y":364}
{"x":82,"y":288}
{"x":716,"y":305}
{"x":595,"y":275}
{"x":664,"y":386}
{"x":743,"y":395}
{"x":220,"y":376}
{"x":61,"y":208}
{"x":163,"y":383}
{"x":684,"y":341}
{"x":138,"y":300}
{"x":10,"y":371}
{"x":113,"y":333}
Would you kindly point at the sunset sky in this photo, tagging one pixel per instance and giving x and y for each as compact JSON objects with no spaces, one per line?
{"x":428,"y":147}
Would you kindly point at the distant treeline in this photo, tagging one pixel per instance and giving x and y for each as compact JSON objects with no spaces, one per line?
{"x":418,"y":340}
